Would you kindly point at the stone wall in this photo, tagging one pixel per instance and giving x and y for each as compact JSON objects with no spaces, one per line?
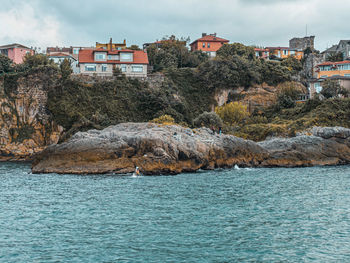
{"x":302,"y":43}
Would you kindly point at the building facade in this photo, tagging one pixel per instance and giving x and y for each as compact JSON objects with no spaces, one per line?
{"x":111,"y":45}
{"x":59,"y":57}
{"x":262,"y":53}
{"x":16,"y":52}
{"x":209,"y":44}
{"x":285,"y":52}
{"x":329,"y":69}
{"x":100,"y":62}
{"x":315,"y":85}
{"x":343,"y":47}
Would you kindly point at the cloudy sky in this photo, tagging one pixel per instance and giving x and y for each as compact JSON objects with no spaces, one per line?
{"x":44,"y":23}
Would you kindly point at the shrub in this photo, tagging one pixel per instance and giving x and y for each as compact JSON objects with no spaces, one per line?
{"x":208,"y":119}
{"x":164,"y":119}
{"x":232,"y":113}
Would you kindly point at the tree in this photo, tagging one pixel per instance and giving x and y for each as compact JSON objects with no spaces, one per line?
{"x":208,"y":119}
{"x":134,"y":47}
{"x":236,"y":49}
{"x":66,"y":69}
{"x":273,"y":73}
{"x":33,"y":61}
{"x":164,"y":119}
{"x":331,"y":89}
{"x":229,"y":72}
{"x":338,"y":56}
{"x":293,"y":64}
{"x":172,"y":53}
{"x":287,"y":94}
{"x":5,"y":64}
{"x":232,"y":113}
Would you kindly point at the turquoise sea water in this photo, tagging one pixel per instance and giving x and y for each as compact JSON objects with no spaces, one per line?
{"x":246,"y":215}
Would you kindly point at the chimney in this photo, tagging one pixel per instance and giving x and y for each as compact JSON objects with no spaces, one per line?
{"x":110,"y":44}
{"x":204,"y":34}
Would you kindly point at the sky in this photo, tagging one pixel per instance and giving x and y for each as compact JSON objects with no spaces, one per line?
{"x":42,"y":23}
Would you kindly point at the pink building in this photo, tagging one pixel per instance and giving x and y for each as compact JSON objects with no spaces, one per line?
{"x":16,"y":52}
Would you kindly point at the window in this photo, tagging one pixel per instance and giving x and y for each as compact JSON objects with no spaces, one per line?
{"x":292,"y":52}
{"x":123,"y":67}
{"x":90,"y":67}
{"x":346,"y":75}
{"x":126,"y":56}
{"x":208,"y":45}
{"x":203,"y":44}
{"x":324,"y":76}
{"x":318,"y":87}
{"x":76,"y":51}
{"x":104,"y":67}
{"x":285,"y":52}
{"x":137,"y":68}
{"x":100,"y":56}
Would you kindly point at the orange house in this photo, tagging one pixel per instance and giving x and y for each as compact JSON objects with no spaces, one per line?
{"x":329,"y":69}
{"x":208,"y":44}
{"x":285,"y":52}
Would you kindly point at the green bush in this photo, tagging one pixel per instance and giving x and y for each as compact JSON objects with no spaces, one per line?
{"x":208,"y":119}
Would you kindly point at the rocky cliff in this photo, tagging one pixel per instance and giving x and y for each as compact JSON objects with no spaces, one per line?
{"x":25,"y":125}
{"x":173,"y":149}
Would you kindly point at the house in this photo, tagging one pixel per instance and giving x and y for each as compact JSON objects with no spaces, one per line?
{"x":72,"y":51}
{"x":208,"y":44}
{"x":111,"y":45}
{"x":16,"y":52}
{"x":285,"y":52}
{"x":262,"y":53}
{"x":100,"y":62}
{"x":343,"y":47}
{"x":329,"y":69}
{"x":58,"y":57}
{"x":315,"y":85}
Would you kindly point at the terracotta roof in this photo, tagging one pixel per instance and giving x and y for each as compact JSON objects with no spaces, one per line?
{"x":210,"y":38}
{"x":261,"y":49}
{"x":59,"y":54}
{"x":87,"y":56}
{"x":328,"y":63}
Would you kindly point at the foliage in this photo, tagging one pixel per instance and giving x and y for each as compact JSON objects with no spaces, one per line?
{"x":21,"y":133}
{"x":338,"y":56}
{"x":134,"y":47}
{"x":232,"y":113}
{"x":36,"y":60}
{"x":236,"y":49}
{"x":288,"y":93}
{"x":293,"y":64}
{"x":273,"y":73}
{"x":223,"y":73}
{"x":117,"y":72}
{"x":164,"y":119}
{"x":331,"y":88}
{"x":208,"y":119}
{"x":5,"y":64}
{"x":66,"y":69}
{"x":173,"y":53}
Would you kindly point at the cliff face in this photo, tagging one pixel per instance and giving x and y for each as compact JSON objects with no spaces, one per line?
{"x":25,"y":125}
{"x":174,"y":149}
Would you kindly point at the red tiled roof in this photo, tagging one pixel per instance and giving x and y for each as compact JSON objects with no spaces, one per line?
{"x":59,"y":54}
{"x":210,"y":38}
{"x":261,"y":49}
{"x":328,"y":63}
{"x":87,"y":56}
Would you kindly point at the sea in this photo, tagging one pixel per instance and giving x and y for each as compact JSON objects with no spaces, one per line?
{"x":236,"y":215}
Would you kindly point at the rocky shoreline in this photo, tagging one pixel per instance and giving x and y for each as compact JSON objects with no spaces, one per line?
{"x":159,"y":149}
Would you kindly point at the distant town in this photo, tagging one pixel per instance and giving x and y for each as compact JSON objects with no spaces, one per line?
{"x":102,"y":58}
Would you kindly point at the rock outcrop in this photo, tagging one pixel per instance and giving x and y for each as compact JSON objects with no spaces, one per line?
{"x":25,"y":125}
{"x":160,"y":149}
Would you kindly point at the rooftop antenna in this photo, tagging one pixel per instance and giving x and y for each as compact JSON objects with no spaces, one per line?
{"x":306,"y":30}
